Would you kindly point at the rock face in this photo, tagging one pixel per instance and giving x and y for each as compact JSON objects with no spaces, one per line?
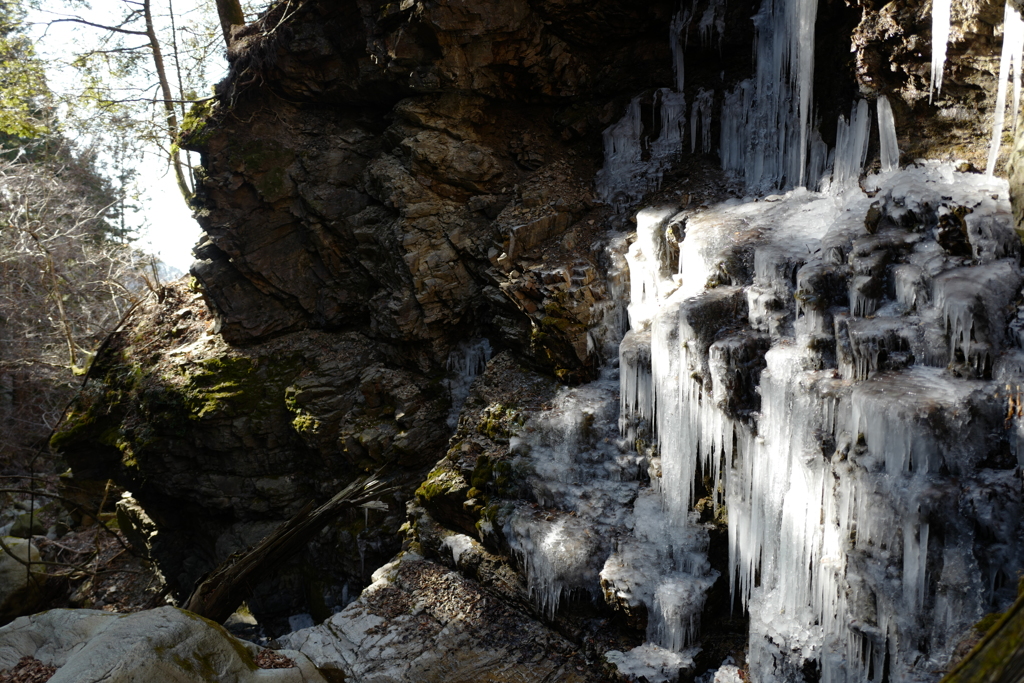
{"x":221,"y":444}
{"x":419,"y":621}
{"x":165,"y":644}
{"x":385,"y":184}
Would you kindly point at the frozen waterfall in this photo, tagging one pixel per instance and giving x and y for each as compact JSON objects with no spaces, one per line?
{"x":823,"y":427}
{"x":833,"y":366}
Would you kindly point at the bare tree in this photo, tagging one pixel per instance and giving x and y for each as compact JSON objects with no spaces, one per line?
{"x":64,"y":282}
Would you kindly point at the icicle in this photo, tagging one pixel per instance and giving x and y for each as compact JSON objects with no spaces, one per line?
{"x":673,"y":125}
{"x":1013,"y":41}
{"x":889,"y":147}
{"x":1016,"y":60}
{"x":702,"y":111}
{"x":851,"y":148}
{"x":915,"y":561}
{"x":774,"y":132}
{"x":679,"y":25}
{"x":712,"y":21}
{"x":805,"y":13}
{"x":733,"y":137}
{"x":941,"y":10}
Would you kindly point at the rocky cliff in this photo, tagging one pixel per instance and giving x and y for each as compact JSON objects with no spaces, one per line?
{"x":385,"y":184}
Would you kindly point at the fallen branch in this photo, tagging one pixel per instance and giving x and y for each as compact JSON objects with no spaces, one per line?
{"x":219,"y":593}
{"x":999,"y":657}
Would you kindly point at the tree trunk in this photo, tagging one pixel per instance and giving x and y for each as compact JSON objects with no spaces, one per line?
{"x":230,"y":13}
{"x":999,"y":657}
{"x":165,"y":89}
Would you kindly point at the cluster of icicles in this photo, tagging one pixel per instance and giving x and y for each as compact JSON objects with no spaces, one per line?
{"x":767,"y":136}
{"x":802,"y":538}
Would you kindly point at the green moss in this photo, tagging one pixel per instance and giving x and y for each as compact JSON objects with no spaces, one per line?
{"x":552,"y":323}
{"x":305,"y":423}
{"x":195,"y":128}
{"x":74,"y":426}
{"x":235,"y":386}
{"x":236,"y":645}
{"x":987,"y":622}
{"x":440,"y":482}
{"x":500,"y":422}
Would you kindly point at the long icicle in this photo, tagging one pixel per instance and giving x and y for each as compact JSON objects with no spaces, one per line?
{"x":1013,"y":36}
{"x":941,"y":10}
{"x":1015,"y":63}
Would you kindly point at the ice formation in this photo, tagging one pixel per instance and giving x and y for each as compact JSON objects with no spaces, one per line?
{"x":1013,"y":43}
{"x":712,"y":21}
{"x":833,"y":363}
{"x":466,"y":361}
{"x":889,"y":151}
{"x":828,"y":429}
{"x":766,"y":127}
{"x":941,"y":10}
{"x":626,"y":175}
{"x":701,"y":112}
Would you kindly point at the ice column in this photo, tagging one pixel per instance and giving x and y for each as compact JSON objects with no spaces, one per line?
{"x":851,"y":147}
{"x":673,"y":126}
{"x":675,"y":39}
{"x":702,"y":111}
{"x":940,"y":37}
{"x":1013,"y":42}
{"x":805,"y":12}
{"x":889,"y":148}
{"x":768,"y":141}
{"x":622,"y":153}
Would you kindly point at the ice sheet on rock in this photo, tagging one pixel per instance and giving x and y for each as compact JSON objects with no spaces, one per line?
{"x":465,"y":362}
{"x":651,"y":663}
{"x":458,"y":545}
{"x":662,"y":565}
{"x":650,"y":267}
{"x":562,"y":554}
{"x":894,"y":416}
{"x":611,"y":313}
{"x":868,"y":346}
{"x":585,"y":479}
{"x":971,"y":301}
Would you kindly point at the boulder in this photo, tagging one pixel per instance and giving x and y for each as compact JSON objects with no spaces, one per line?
{"x":165,"y":644}
{"x":20,"y":592}
{"x":420,"y":622}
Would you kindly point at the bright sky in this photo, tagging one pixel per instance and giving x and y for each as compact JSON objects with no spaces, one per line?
{"x":165,"y":223}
